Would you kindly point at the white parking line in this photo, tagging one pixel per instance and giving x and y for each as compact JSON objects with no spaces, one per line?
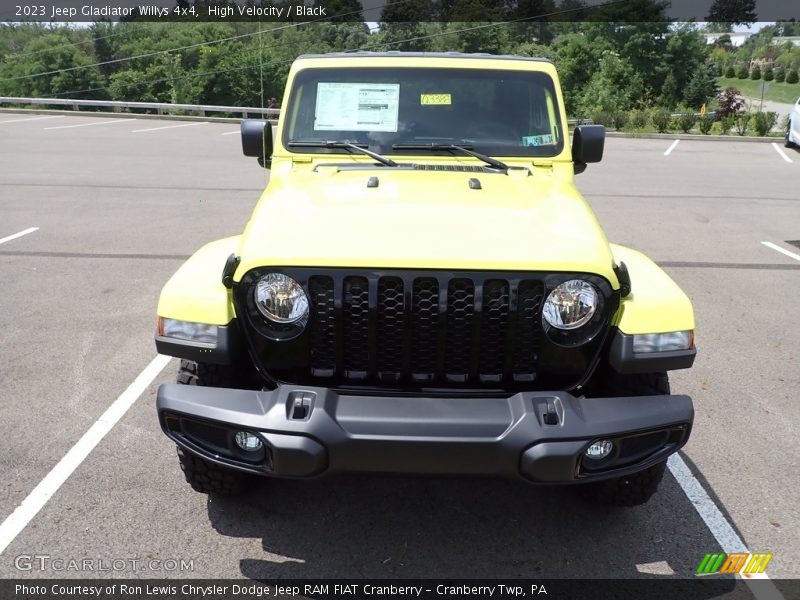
{"x":16,"y":521}
{"x":671,"y":148}
{"x":780,"y":151}
{"x":103,"y":122}
{"x":721,"y":529}
{"x":18,"y":235}
{"x":230,"y":132}
{"x":32,"y":119}
{"x":169,"y":127}
{"x":781,"y":250}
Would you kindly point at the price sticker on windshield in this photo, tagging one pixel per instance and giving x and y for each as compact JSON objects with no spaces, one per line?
{"x":435,"y":99}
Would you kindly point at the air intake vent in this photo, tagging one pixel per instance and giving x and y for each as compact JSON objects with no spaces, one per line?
{"x":459,"y":168}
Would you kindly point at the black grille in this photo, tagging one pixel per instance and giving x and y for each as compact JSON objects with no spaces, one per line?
{"x":428,"y":330}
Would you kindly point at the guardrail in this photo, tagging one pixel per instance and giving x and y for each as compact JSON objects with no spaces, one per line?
{"x":160,"y":107}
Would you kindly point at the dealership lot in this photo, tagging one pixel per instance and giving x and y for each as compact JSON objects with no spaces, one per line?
{"x":118,"y":204}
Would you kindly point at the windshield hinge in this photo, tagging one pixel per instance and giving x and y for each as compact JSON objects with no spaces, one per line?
{"x":229,"y":270}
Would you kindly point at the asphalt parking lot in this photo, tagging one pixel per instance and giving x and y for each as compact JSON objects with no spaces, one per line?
{"x":118,"y":204}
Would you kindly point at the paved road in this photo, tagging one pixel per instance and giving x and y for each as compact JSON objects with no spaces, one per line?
{"x":782,"y":108}
{"x":117,"y":211}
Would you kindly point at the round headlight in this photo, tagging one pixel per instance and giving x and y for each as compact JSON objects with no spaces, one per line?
{"x":570,"y":304}
{"x":281,"y":299}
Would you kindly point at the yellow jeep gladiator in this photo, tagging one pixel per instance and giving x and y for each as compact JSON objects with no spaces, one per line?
{"x":421,"y":289}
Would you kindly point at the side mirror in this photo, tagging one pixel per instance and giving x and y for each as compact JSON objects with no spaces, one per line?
{"x":257,"y":140}
{"x":587,"y":145}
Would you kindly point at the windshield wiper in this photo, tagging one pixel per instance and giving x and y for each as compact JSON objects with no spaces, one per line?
{"x":339,"y":144}
{"x":463,"y":148}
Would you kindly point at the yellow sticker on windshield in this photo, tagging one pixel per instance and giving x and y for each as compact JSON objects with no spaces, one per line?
{"x":435,"y":99}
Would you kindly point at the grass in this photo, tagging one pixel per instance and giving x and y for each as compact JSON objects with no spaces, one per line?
{"x":776,"y":92}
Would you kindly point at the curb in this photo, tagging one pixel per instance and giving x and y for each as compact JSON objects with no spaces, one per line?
{"x":694,"y":136}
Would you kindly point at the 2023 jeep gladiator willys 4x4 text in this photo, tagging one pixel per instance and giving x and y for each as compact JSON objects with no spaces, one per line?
{"x":421,"y":289}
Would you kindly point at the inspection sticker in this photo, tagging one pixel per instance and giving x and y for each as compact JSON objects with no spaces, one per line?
{"x":537,"y":140}
{"x":356,"y":107}
{"x":435,"y":99}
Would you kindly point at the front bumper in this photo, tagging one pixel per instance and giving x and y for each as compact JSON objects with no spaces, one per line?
{"x":537,"y":436}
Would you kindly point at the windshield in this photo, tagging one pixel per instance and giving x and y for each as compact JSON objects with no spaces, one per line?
{"x":496,"y":112}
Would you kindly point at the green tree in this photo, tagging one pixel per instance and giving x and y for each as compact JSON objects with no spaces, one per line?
{"x":712,"y":27}
{"x":470,"y":37}
{"x":578,"y":58}
{"x":686,"y":50}
{"x":405,"y":36}
{"x":670,"y":91}
{"x":735,"y":12}
{"x":410,"y":11}
{"x":343,"y":11}
{"x":131,"y":86}
{"x":468,"y":11}
{"x":702,"y":87}
{"x":614,"y":87}
{"x":724,"y":42}
{"x":51,"y":66}
{"x":103,"y":44}
{"x":788,"y":28}
{"x":633,"y":11}
{"x":230,"y":81}
{"x":15,"y":36}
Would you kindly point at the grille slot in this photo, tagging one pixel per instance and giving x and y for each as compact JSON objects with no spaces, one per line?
{"x":390,"y":328}
{"x":322,"y":327}
{"x":355,"y":309}
{"x":460,"y":315}
{"x":427,"y":330}
{"x":528,"y":326}
{"x":494,"y":329}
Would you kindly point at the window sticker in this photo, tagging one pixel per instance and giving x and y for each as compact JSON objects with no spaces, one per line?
{"x":537,"y":140}
{"x":435,"y":99}
{"x":356,"y":107}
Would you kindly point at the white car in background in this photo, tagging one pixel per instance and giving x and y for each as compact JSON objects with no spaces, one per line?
{"x":793,"y":130}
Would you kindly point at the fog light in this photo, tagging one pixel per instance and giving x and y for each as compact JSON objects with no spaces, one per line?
{"x":599,"y":449}
{"x":247,"y":441}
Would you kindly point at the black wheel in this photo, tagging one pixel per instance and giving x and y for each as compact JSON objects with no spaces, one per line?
{"x":788,"y":142}
{"x":636,"y":488}
{"x":204,"y":476}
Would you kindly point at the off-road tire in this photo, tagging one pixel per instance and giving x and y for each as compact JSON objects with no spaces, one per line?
{"x":241,"y":375}
{"x":208,"y":478}
{"x":630,"y":490}
{"x":637,"y":488}
{"x":204,"y":476}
